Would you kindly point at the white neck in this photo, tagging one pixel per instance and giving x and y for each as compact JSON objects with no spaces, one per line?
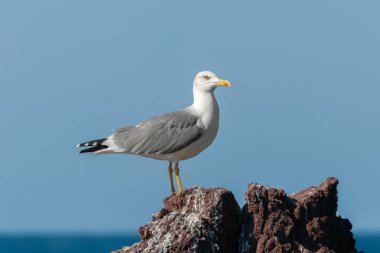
{"x":203,"y":100}
{"x":205,"y":106}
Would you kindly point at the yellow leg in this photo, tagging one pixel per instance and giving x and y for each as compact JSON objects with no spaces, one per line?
{"x":176,"y":170}
{"x":170,"y":170}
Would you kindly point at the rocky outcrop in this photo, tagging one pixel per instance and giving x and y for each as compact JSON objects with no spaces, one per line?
{"x":198,"y":220}
{"x":210,"y":220}
{"x":302,"y":222}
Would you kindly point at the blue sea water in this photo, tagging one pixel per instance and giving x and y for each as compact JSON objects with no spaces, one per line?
{"x":64,"y":243}
{"x":369,"y":243}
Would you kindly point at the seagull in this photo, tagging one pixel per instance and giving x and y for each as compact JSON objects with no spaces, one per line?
{"x":174,"y":136}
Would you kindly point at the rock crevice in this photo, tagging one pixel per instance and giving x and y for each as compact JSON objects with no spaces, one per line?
{"x":210,"y":220}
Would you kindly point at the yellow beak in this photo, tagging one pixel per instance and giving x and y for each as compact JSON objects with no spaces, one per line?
{"x":224,"y":83}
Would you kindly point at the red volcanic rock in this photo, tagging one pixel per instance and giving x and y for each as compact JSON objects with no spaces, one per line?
{"x":302,"y":222}
{"x":210,"y":221}
{"x":198,"y":220}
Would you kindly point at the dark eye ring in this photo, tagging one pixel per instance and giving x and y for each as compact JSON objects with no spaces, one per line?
{"x":206,"y":77}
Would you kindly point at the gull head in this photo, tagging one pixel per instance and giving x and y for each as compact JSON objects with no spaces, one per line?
{"x":207,"y":81}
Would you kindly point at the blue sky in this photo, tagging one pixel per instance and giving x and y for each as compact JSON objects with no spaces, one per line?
{"x":304,"y":104}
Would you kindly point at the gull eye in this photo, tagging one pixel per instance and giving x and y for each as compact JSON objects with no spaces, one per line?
{"x":206,"y":77}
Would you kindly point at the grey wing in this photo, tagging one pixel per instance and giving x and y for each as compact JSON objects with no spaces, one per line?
{"x":163,"y":134}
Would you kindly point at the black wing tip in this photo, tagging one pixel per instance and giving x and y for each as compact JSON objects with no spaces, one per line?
{"x":92,"y":143}
{"x":94,"y":146}
{"x":93,"y":149}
